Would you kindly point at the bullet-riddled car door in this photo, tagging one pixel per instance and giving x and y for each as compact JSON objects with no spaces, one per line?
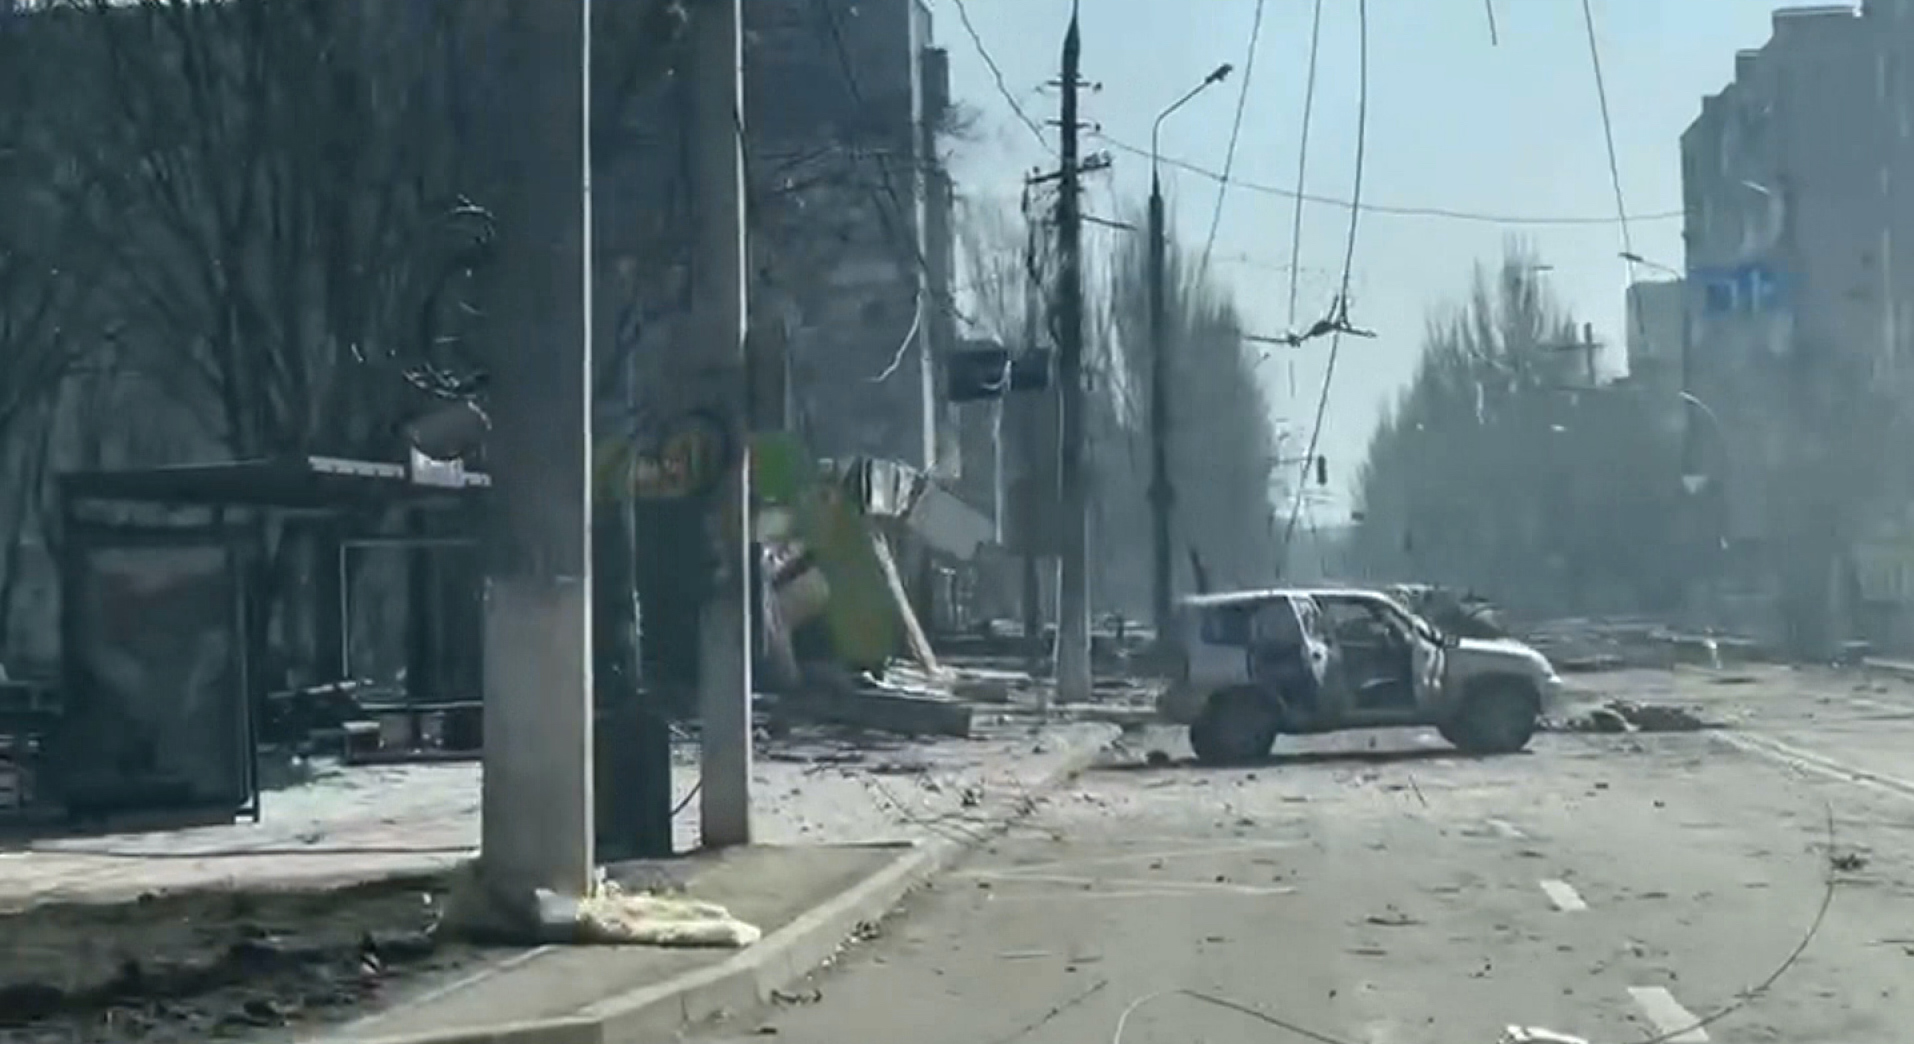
{"x":1426,"y":657}
{"x":1315,"y":638}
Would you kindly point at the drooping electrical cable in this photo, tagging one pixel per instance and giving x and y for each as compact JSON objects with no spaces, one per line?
{"x":1302,"y":173}
{"x":1340,"y":312}
{"x":1614,"y":165}
{"x":1235,"y":133}
{"x":997,"y":74}
{"x":1393,"y":210}
{"x":1608,"y":125}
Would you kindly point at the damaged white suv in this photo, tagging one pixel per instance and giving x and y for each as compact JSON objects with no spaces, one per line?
{"x":1256,"y":664}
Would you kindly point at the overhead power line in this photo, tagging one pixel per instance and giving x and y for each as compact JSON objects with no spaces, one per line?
{"x":1447,"y":213}
{"x":997,"y":74}
{"x":1302,"y":180}
{"x":1302,"y":159}
{"x":1614,"y":164}
{"x":1235,"y":132}
{"x":1340,"y":313}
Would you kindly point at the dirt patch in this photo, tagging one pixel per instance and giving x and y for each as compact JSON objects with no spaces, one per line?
{"x":198,"y":966}
{"x":1618,"y":716}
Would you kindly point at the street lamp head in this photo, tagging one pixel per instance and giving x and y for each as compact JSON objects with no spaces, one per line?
{"x":1215,"y":77}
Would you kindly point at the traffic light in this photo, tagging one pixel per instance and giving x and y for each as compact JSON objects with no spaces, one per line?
{"x":1322,"y":470}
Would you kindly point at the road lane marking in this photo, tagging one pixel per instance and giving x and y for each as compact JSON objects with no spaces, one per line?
{"x":1674,"y":1022}
{"x":1507,"y":829}
{"x":1383,"y":1031}
{"x":1818,"y":764}
{"x":1564,"y":896}
{"x":1888,"y":711}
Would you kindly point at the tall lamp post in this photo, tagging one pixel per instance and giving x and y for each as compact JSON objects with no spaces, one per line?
{"x":1693,"y":479}
{"x":1162,"y":496}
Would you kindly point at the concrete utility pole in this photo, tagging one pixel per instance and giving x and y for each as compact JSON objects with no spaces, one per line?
{"x":537,"y":807}
{"x":718,"y":324}
{"x":1162,"y":491}
{"x":1073,"y":575}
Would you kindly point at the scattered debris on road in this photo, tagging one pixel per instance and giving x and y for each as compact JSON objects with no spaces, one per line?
{"x":1622,"y":716}
{"x":1536,"y":1035}
{"x":1847,"y":862}
{"x":195,"y":966}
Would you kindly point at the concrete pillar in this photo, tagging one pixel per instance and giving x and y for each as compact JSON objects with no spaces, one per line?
{"x":718,"y":325}
{"x":537,"y":793}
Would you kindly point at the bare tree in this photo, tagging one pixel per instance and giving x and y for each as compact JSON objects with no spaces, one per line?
{"x":1500,"y":469}
{"x":1224,"y":443}
{"x":293,"y":197}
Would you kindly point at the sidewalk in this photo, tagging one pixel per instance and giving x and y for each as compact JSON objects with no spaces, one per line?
{"x":366,"y":823}
{"x":846,"y":829}
{"x":808,"y":900}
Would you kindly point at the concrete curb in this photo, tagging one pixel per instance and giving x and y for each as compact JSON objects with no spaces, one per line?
{"x":660,"y":1010}
{"x":1892,"y":668}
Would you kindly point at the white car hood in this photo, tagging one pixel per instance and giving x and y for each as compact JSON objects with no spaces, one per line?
{"x":1503,"y":646}
{"x":1506,"y":648}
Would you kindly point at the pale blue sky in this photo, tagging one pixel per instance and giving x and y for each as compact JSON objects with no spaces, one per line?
{"x":1454,"y":123}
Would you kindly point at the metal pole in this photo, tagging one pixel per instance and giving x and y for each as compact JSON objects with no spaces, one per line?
{"x":1037,"y":501}
{"x":537,"y":786}
{"x":1162,"y":495}
{"x":724,"y":625}
{"x":1162,"y":491}
{"x":1718,"y":494}
{"x":1073,"y":595}
{"x":1689,"y":462}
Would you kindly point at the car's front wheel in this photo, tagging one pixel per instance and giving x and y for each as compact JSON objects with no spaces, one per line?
{"x":1235,"y":727}
{"x":1499,"y":716}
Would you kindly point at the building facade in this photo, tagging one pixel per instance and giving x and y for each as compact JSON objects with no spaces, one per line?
{"x":1797,"y":323}
{"x":846,"y":102}
{"x":1657,"y":315}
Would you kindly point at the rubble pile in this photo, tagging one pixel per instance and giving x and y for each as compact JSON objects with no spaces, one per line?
{"x":201,"y":965}
{"x":1619,"y":716}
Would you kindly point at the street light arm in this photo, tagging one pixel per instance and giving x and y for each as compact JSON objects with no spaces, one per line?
{"x":1636,"y":259}
{"x":1216,"y":76}
{"x":1714,"y":421}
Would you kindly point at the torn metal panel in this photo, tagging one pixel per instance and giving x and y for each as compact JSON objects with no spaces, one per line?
{"x":948,"y":525}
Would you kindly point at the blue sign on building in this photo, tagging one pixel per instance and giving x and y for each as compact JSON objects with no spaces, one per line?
{"x":1754,"y":288}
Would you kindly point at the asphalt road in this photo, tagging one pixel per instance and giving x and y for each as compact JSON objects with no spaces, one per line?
{"x":1612,"y":887}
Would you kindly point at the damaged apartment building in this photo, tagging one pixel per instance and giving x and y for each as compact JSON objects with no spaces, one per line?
{"x":1799,"y":235}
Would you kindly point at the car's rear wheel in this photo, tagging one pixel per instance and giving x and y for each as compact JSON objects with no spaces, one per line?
{"x":1497,"y":717}
{"x":1235,"y":727}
